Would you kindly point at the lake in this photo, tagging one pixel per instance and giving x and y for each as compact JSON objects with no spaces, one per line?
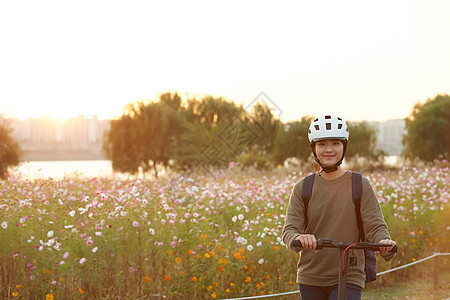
{"x":87,"y":168}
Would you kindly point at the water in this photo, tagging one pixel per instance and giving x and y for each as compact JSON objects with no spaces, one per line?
{"x":60,"y":169}
{"x":87,"y":168}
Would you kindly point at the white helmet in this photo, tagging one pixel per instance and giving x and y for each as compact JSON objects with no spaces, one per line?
{"x":327,"y":127}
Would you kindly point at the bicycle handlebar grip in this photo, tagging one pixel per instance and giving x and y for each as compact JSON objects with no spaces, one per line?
{"x":296,"y":243}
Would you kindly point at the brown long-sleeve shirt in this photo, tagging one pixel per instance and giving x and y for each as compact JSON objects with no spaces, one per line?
{"x":331,"y":214}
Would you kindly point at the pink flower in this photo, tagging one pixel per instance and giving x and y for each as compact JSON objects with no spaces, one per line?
{"x":135,"y":224}
{"x":65,"y":255}
{"x":82,"y":260}
{"x":89,"y":242}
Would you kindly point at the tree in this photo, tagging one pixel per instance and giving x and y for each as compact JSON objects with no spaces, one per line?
{"x":291,"y":140}
{"x":362,"y":141}
{"x":10,"y":151}
{"x":428,"y":129}
{"x":143,"y":138}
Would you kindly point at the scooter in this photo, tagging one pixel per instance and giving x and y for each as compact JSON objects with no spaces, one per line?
{"x":343,"y":257}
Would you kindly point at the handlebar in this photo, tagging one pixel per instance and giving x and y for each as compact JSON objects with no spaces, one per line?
{"x":327,"y":243}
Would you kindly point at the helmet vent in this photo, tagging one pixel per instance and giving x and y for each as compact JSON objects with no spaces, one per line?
{"x":328,"y":125}
{"x":339,"y":119}
{"x":316,"y":127}
{"x":339,"y":126}
{"x":327,"y":117}
{"x":317,"y":119}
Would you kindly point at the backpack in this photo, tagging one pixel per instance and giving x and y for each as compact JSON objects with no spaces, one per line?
{"x":369,"y":255}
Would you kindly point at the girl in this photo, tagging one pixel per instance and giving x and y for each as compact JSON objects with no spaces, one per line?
{"x":331,"y":214}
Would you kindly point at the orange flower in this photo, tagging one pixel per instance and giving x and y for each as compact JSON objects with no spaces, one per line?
{"x":190,"y":252}
{"x":249,"y":279}
{"x":276,"y":248}
{"x":220,"y":248}
{"x":167,"y":278}
{"x":268,"y":276}
{"x":241,"y":251}
{"x":237,"y":255}
{"x":194,"y":279}
{"x":223,"y":261}
{"x":227,"y":290}
{"x":146,"y":278}
{"x":219,"y":268}
{"x":181,"y":273}
{"x":80,"y":290}
{"x":47,"y":271}
{"x":209,"y":288}
{"x":212,"y":253}
{"x":413,"y":241}
{"x":18,"y":286}
{"x":49,"y":297}
{"x":214,"y":295}
{"x":197,"y":256}
{"x":436,"y":239}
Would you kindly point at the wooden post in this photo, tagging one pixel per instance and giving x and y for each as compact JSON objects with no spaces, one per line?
{"x":436,"y":271}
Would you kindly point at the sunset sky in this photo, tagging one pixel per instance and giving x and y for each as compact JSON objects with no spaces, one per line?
{"x":360,"y":60}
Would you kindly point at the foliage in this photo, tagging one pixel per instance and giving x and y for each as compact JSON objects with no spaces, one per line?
{"x":362,"y":141}
{"x":428,"y":129}
{"x":291,"y":140}
{"x":10,"y":150}
{"x":186,"y":237}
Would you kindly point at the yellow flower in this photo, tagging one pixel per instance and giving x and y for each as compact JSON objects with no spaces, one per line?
{"x":232,"y":284}
{"x":177,"y":260}
{"x":207,"y":255}
{"x":14,"y":294}
{"x":18,"y":286}
{"x":170,"y":253}
{"x":49,"y":297}
{"x":214,"y":295}
{"x":209,"y":288}
{"x":227,"y":290}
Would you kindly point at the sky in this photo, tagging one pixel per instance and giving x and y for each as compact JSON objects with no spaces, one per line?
{"x":360,"y":60}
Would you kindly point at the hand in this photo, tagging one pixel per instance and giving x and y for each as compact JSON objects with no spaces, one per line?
{"x":385,"y":250}
{"x":308,"y":241}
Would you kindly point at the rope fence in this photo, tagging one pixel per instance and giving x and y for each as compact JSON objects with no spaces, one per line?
{"x":436,"y":277}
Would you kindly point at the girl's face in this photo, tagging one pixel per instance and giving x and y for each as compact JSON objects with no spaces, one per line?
{"x":329,"y":152}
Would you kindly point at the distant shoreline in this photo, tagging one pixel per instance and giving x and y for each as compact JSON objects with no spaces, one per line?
{"x":62,"y":155}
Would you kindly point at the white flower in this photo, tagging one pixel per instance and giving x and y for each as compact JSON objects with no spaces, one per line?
{"x":68,"y":226}
{"x":234,"y":219}
{"x":50,"y":233}
{"x":261,"y":261}
{"x":151,"y":231}
{"x":72,"y":213}
{"x":249,"y":247}
{"x":240,"y":216}
{"x":258,"y":244}
{"x":4,"y":224}
{"x":95,"y":249}
{"x":82,"y":261}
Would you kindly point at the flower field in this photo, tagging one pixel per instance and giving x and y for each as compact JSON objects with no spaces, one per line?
{"x":191,"y":237}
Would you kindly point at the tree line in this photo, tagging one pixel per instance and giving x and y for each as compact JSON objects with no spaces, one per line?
{"x":213,"y":132}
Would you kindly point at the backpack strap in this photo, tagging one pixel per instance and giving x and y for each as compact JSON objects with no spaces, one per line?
{"x":356,"y":197}
{"x":307,"y":187}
